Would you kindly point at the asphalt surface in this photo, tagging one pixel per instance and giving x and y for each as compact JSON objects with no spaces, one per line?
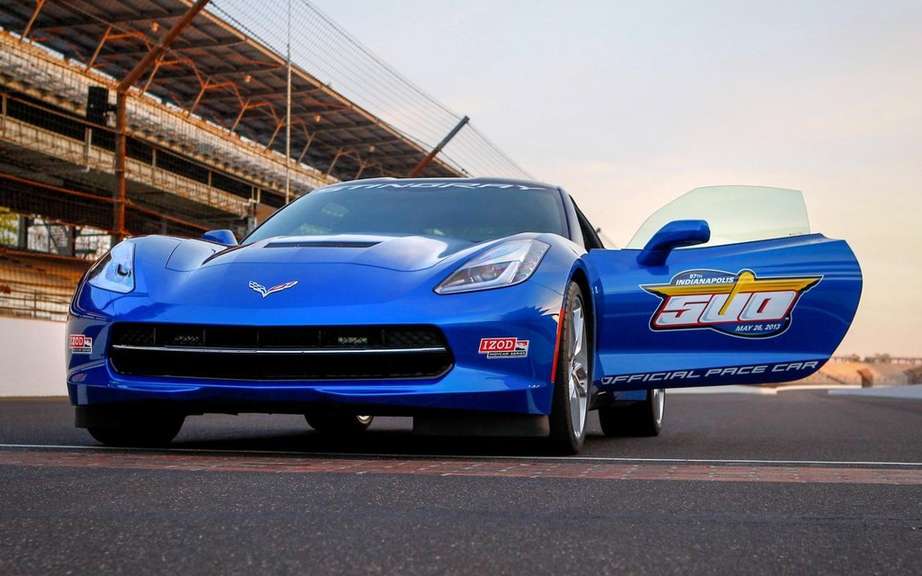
{"x":264,"y":494}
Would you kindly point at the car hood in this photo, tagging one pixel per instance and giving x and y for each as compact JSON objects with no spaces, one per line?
{"x":402,"y":254}
{"x":306,"y":272}
{"x":320,"y":279}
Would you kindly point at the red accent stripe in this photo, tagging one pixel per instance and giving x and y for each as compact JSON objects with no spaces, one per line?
{"x":557,"y":342}
{"x":204,"y":463}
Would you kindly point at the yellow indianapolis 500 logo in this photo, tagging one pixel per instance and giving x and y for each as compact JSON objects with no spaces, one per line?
{"x":738,"y":304}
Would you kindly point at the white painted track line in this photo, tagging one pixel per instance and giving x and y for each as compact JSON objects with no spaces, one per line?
{"x":601,"y":459}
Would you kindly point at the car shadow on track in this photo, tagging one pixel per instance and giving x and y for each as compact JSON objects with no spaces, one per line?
{"x":392,"y":441}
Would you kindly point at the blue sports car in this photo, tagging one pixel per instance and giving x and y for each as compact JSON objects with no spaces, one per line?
{"x":476,"y":306}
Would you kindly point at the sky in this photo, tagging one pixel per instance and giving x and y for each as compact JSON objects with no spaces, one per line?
{"x":629,"y":104}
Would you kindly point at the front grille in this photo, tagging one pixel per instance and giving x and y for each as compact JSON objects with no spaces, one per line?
{"x":279,"y":352}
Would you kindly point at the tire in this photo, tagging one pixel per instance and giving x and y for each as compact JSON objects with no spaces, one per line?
{"x":338,"y":423}
{"x":147,"y":431}
{"x":643,"y":418}
{"x":570,"y":406}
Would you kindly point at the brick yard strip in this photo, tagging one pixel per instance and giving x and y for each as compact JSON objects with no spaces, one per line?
{"x":468,"y":467}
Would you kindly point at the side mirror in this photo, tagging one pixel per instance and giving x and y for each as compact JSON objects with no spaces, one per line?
{"x":673,"y":235}
{"x":224,"y":237}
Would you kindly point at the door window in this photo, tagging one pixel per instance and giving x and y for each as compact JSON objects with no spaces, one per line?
{"x":734,"y":214}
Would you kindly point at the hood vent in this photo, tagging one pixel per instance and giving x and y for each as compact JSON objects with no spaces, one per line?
{"x":322,"y":244}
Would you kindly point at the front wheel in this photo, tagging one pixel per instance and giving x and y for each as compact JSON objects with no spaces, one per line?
{"x":144,"y":431}
{"x":337,"y":423}
{"x":570,"y":406}
{"x":643,"y":418}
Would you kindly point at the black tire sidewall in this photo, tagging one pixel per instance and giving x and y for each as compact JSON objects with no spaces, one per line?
{"x":654,"y":427}
{"x":147,"y":431}
{"x":637,"y":419}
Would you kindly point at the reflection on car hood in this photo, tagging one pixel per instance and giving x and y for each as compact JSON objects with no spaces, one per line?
{"x":406,"y":253}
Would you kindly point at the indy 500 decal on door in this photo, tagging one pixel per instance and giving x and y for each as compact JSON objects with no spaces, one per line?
{"x":738,"y":304}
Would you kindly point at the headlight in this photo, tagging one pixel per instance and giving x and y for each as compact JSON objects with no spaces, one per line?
{"x":115,"y":271}
{"x":506,"y":264}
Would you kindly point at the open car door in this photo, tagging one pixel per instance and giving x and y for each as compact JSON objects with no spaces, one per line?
{"x":725,"y":285}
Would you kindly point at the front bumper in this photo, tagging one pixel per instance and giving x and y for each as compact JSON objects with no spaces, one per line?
{"x":475,"y":382}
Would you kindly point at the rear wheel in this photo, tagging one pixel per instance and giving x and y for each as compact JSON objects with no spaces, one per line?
{"x":338,"y":423}
{"x":571,"y":385}
{"x":142,"y":430}
{"x":643,"y":418}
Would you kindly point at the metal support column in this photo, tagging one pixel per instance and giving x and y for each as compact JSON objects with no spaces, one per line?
{"x":336,"y":158}
{"x":307,"y":146}
{"x":22,"y":233}
{"x":438,"y":148}
{"x":102,"y":42}
{"x":121,"y":115}
{"x":288,"y":115}
{"x":121,"y":164}
{"x":39,"y":4}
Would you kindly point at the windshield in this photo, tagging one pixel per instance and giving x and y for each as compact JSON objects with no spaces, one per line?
{"x":473,"y":211}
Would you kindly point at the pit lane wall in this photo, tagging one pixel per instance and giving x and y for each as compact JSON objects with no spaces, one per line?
{"x":31,"y":357}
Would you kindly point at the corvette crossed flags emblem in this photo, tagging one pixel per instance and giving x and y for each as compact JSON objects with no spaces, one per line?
{"x":263,"y":291}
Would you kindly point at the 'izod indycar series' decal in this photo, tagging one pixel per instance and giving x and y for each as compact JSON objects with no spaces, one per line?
{"x":509,"y":347}
{"x":736,"y":304}
{"x":80,"y":344}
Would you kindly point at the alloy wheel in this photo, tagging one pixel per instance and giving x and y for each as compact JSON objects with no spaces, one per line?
{"x":578,"y":372}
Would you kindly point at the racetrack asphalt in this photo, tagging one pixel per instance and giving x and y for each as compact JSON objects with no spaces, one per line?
{"x":799,"y":482}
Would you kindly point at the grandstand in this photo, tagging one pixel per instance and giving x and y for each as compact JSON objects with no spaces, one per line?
{"x":205,"y":132}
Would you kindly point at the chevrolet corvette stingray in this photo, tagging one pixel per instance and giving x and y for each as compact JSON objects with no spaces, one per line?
{"x":476,"y":306}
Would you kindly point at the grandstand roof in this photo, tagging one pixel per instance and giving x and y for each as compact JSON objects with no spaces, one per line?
{"x":224,"y":76}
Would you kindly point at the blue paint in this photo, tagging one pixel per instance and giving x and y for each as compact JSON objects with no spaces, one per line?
{"x":675,"y":234}
{"x":627,"y":345}
{"x":391,"y":280}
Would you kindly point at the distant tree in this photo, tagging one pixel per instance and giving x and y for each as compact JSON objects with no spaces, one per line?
{"x":9,"y":226}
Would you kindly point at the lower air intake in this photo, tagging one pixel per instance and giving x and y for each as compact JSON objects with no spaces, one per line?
{"x":279,"y":353}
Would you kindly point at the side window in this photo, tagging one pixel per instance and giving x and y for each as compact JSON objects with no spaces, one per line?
{"x":576,"y":232}
{"x":591,"y":239}
{"x":734,"y":213}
